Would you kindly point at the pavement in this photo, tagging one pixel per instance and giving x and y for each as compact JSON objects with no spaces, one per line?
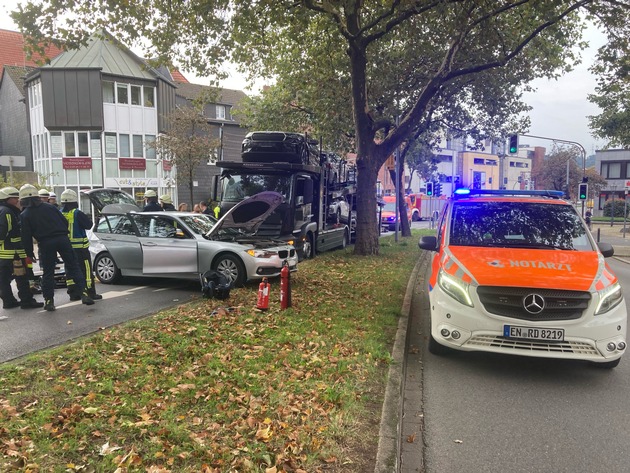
{"x":401,"y":440}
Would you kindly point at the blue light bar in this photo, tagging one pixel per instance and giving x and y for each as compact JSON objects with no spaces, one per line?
{"x":504,"y":192}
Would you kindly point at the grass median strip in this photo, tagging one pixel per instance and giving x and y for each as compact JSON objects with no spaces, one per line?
{"x":217,"y":386}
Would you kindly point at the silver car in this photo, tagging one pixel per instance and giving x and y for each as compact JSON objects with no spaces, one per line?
{"x":128,"y":242}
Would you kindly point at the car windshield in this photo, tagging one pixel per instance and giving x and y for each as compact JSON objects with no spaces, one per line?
{"x":199,"y":223}
{"x":518,"y":225}
{"x":390,"y":206}
{"x":237,"y":187}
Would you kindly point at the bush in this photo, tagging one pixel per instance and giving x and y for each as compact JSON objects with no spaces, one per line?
{"x":619,"y":207}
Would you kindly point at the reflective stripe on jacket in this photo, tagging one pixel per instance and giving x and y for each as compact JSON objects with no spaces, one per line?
{"x":10,"y":237}
{"x":78,"y":236}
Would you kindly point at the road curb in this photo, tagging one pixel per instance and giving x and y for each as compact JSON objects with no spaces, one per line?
{"x":389,"y":448}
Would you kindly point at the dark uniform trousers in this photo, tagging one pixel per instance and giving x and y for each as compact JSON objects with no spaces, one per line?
{"x":6,"y":275}
{"x":49,"y":249}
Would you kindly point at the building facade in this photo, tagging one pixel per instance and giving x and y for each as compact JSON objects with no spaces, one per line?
{"x":614,"y":166}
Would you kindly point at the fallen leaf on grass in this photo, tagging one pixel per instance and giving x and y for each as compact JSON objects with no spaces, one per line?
{"x":411,"y":438}
{"x":458,"y":441}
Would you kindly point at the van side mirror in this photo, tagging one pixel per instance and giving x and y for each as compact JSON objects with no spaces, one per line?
{"x":428,"y":243}
{"x":606,"y":249}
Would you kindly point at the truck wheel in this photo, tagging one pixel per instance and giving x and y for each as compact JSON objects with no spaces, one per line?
{"x":232,"y":268}
{"x":415,"y":217}
{"x":307,"y":247}
{"x":344,"y":242}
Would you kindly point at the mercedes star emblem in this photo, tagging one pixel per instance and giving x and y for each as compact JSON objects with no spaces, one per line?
{"x":534,"y":303}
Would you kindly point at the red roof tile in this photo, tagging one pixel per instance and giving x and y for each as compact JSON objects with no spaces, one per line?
{"x":12,"y":51}
{"x":178,"y":76}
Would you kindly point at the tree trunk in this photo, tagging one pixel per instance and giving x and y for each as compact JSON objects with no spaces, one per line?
{"x":367,"y":242}
{"x":405,"y":226}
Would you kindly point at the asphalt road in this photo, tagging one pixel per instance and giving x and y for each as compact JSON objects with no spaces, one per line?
{"x":26,"y":331}
{"x":490,"y":413}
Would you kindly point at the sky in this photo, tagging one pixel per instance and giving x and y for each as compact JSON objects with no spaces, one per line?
{"x":560,"y":107}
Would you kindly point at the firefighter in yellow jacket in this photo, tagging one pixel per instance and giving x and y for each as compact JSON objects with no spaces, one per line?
{"x":12,"y":254}
{"x":78,"y":223}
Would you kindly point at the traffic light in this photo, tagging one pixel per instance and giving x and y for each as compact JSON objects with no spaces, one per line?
{"x":583,"y":193}
{"x":430,"y":189}
{"x":513,"y":144}
{"x":438,"y":189}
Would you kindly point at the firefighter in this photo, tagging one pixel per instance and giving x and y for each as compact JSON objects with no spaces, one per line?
{"x":167,"y":203}
{"x":45,"y":223}
{"x":78,"y":223}
{"x":151,"y":202}
{"x":12,"y":255}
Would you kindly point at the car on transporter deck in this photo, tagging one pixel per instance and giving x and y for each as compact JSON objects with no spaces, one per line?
{"x":128,"y":242}
{"x":518,"y":272}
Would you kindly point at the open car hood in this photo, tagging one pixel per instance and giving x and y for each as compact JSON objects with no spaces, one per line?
{"x":249,"y":214}
{"x":103,"y":197}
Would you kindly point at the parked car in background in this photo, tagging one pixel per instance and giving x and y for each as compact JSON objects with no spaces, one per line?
{"x":128,"y":242}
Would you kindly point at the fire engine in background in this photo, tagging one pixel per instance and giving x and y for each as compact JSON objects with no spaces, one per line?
{"x":319,"y":189}
{"x":424,"y":207}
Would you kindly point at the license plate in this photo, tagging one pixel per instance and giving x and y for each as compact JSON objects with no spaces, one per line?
{"x":533,"y":333}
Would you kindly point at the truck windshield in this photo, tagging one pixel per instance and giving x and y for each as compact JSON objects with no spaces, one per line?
{"x":239,"y":186}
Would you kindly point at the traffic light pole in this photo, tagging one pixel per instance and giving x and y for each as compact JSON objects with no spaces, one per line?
{"x":571,"y":143}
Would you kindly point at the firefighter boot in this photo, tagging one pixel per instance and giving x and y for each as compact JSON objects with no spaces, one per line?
{"x":92,"y":293}
{"x":86,"y":299}
{"x":50,"y":305}
{"x":74,"y":292}
{"x":32,"y":304}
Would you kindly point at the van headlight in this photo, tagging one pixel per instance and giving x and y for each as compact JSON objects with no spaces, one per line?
{"x":609,"y":298}
{"x":455,"y":287}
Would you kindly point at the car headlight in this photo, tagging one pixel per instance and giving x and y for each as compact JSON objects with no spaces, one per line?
{"x":609,"y":298}
{"x":455,"y":287}
{"x":261,"y":253}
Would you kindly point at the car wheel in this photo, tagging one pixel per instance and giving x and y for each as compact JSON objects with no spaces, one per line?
{"x":437,"y":349}
{"x":106,"y":270}
{"x":307,"y":247}
{"x":232,"y":268}
{"x":608,"y":364}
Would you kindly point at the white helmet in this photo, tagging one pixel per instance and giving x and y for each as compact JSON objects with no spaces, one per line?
{"x":150,"y":193}
{"x":69,"y":196}
{"x":53,"y":195}
{"x":8,"y":192}
{"x":166,"y":199}
{"x":28,"y":190}
{"x":43,"y":193}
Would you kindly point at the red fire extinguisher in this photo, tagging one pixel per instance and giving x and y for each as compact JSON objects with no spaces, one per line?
{"x":285,"y":287}
{"x":263,"y":295}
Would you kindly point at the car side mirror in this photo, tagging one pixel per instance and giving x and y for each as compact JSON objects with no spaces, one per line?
{"x":606,"y":249}
{"x":179,"y":233}
{"x":428,"y":243}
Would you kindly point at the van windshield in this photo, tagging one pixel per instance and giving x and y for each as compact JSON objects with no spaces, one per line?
{"x":518,"y":225}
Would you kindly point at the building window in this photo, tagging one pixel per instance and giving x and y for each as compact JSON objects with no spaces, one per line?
{"x":82,"y":138}
{"x":491,"y":162}
{"x":122,"y":93}
{"x":150,"y":143}
{"x":111,"y":145}
{"x":149,"y":96}
{"x":479,"y":161}
{"x":135,"y":95}
{"x":124,"y":146}
{"x":138,"y":148}
{"x":611,"y":170}
{"x":68,"y":141}
{"x":108,"y":92}
{"x":221,"y":112}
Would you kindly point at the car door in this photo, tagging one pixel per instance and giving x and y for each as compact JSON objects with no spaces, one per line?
{"x":163,"y":253}
{"x":117,"y":234}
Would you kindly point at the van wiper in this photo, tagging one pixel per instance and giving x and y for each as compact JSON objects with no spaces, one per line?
{"x":539,"y":246}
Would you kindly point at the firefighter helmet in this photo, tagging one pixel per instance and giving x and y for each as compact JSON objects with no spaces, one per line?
{"x":69,"y":196}
{"x":28,"y":190}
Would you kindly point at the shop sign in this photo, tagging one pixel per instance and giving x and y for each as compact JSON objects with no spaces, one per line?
{"x":76,"y":163}
{"x":136,"y":164}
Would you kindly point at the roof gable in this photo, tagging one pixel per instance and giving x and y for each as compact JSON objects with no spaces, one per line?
{"x":104,"y":52}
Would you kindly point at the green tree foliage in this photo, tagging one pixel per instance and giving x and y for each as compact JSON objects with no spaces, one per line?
{"x":612,"y":94}
{"x":358,"y":65}
{"x":617,"y":205}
